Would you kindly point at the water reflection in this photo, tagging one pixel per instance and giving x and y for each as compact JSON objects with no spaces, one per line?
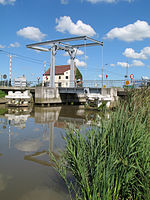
{"x":4,"y":179}
{"x":27,"y":136}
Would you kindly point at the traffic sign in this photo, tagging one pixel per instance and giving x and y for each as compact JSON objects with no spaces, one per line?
{"x":132,"y":76}
{"x":106,"y":76}
{"x":4,"y":76}
{"x":127,"y":82}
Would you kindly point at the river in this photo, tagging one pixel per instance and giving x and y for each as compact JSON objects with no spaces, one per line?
{"x":27,"y":135}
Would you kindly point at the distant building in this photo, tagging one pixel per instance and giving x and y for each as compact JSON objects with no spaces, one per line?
{"x":62,"y":76}
{"x":20,"y":81}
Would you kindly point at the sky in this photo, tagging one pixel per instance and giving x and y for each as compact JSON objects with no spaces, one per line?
{"x":122,"y":25}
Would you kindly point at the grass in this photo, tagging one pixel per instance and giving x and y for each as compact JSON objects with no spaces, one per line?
{"x":111,"y":162}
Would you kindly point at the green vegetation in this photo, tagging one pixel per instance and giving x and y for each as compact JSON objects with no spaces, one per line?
{"x":2,"y":94}
{"x":111,"y":162}
{"x":3,"y":111}
{"x":78,"y":74}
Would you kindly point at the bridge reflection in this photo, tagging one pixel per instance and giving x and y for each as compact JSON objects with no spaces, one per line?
{"x":46,"y":134}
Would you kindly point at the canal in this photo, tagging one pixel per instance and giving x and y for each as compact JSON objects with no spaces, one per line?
{"x":27,"y":135}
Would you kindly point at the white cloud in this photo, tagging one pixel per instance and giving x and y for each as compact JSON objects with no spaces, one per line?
{"x":137,"y":63}
{"x":64,"y":2}
{"x":65,"y":24}
{"x":123,"y":64}
{"x":107,"y":1}
{"x":100,"y":75}
{"x":79,"y":53}
{"x":4,"y":2}
{"x":144,"y":53}
{"x":14,"y":45}
{"x":132,"y":32}
{"x":78,"y":63}
{"x":2,"y":46}
{"x":31,"y":33}
{"x":130,"y":53}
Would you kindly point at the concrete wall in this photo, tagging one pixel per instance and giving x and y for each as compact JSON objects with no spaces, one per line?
{"x":47,"y":95}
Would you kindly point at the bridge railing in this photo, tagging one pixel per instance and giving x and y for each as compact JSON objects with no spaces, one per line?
{"x":85,"y":83}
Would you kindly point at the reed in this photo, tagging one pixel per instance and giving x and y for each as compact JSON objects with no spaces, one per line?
{"x":111,"y":162}
{"x":2,"y":94}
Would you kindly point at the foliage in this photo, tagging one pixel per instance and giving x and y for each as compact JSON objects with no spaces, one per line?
{"x":111,"y":162}
{"x":78,"y":74}
{"x":2,"y":94}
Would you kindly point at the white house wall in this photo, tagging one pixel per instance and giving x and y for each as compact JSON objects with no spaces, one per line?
{"x":64,"y":82}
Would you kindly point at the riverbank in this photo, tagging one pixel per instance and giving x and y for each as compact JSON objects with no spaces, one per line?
{"x":111,"y":161}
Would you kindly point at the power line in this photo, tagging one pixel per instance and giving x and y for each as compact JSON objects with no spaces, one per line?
{"x":25,"y":58}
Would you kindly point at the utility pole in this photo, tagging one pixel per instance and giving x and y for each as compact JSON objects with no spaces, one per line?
{"x":10,"y":71}
{"x":102,"y":67}
{"x":44,"y":66}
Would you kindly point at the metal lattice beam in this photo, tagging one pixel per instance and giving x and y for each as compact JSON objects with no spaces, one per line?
{"x":62,"y":44}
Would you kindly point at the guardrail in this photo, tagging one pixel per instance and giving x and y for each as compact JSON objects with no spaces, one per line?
{"x":85,"y":83}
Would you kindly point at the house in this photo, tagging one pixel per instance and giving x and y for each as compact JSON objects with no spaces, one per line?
{"x":62,"y":76}
{"x":20,"y":81}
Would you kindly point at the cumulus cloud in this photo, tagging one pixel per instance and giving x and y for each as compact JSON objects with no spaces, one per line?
{"x":137,"y":63}
{"x":78,"y":63}
{"x":14,"y":45}
{"x":65,"y":24}
{"x":31,"y":33}
{"x":144,"y":53}
{"x":130,"y":53}
{"x":108,"y":1}
{"x":4,"y":2}
{"x":132,"y":32}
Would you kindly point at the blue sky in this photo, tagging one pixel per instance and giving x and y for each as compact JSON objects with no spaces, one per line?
{"x":123,"y":26}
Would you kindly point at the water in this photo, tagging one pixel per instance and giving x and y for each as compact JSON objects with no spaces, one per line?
{"x":27,"y":135}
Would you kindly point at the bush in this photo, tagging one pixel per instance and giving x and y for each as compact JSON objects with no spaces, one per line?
{"x":111,"y":162}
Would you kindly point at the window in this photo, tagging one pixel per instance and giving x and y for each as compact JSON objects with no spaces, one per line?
{"x":66,"y":77}
{"x":59,"y":77}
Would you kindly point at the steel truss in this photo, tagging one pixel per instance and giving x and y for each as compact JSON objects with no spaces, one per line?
{"x":62,"y":44}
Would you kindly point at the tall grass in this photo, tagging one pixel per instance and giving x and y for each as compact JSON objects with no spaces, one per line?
{"x":111,"y":162}
{"x":2,"y":94}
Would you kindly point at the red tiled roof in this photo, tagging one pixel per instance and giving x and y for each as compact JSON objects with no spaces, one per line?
{"x":59,"y":70}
